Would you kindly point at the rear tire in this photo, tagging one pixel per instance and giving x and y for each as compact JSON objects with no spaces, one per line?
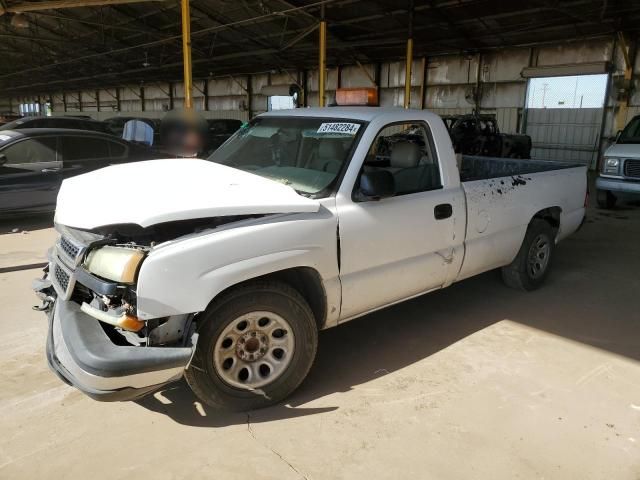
{"x":531,"y":266}
{"x":240,"y":363}
{"x":606,"y":199}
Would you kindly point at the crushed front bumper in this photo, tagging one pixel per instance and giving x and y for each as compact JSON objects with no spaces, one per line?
{"x":80,"y":352}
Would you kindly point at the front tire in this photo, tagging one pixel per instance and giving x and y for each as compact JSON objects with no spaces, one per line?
{"x":606,"y":199}
{"x":531,"y":266}
{"x":256,"y":345}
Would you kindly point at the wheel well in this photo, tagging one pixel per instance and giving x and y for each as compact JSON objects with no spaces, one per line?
{"x":306,"y":281}
{"x":550,"y":215}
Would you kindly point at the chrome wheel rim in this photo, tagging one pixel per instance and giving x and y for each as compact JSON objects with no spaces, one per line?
{"x":254,"y":350}
{"x":539,"y":255}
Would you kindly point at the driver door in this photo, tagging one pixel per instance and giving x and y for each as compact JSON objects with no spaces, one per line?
{"x":400,"y":246}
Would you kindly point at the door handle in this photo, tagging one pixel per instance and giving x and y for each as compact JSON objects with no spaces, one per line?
{"x":49,"y":170}
{"x":442,"y":211}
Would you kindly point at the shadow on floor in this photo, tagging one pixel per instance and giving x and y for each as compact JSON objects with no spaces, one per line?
{"x":591,"y":297}
{"x":357,"y":352}
{"x":26,"y":223}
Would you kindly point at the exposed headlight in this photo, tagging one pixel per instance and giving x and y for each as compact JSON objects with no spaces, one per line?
{"x":611,"y":166}
{"x":119,"y":264}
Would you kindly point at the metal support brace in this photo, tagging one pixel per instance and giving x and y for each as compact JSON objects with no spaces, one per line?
{"x":423,"y":82}
{"x":366,"y":73}
{"x":205,"y":93}
{"x":624,"y":93}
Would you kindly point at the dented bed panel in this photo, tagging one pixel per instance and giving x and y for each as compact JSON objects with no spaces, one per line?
{"x":500,"y":209}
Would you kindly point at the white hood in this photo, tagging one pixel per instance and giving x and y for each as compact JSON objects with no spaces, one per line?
{"x":628,"y":150}
{"x":157,"y":191}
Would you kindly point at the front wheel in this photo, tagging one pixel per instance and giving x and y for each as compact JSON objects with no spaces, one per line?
{"x":531,"y":266}
{"x":256,"y":345}
{"x":606,"y":199}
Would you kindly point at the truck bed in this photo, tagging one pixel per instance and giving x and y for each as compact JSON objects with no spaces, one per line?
{"x":503,"y":195}
{"x":483,"y":168}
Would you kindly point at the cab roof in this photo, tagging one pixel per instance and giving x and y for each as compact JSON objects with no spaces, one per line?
{"x":366,"y":114}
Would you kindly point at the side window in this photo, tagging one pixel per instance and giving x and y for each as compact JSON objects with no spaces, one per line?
{"x":33,"y":150}
{"x":117,"y":150}
{"x":406,"y":150}
{"x":83,"y":148}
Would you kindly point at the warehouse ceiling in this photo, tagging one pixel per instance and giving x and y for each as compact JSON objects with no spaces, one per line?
{"x":124,"y":42}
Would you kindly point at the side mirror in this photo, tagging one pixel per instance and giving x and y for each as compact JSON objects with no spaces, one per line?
{"x":3,"y":159}
{"x":618,"y":136}
{"x":376,"y":185}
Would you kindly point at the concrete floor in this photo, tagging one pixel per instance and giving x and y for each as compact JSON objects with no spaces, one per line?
{"x":476,"y":381}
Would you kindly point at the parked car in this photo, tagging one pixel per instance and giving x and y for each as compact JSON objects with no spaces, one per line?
{"x":34,"y":162}
{"x":6,"y":118}
{"x":479,"y":135}
{"x":76,"y":123}
{"x":620,"y":168}
{"x":220,"y":130}
{"x":223,"y":271}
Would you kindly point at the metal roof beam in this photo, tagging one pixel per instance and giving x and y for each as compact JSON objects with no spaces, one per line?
{"x":60,"y":4}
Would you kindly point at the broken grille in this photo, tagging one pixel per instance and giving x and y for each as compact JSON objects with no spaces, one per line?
{"x":69,"y":248}
{"x":62,"y":278}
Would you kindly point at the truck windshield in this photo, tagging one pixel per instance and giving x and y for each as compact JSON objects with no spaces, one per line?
{"x":306,"y":153}
{"x":631,"y":133}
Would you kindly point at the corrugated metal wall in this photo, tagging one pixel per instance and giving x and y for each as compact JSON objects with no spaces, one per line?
{"x":565,"y":134}
{"x":447,"y":80}
{"x":450,"y":83}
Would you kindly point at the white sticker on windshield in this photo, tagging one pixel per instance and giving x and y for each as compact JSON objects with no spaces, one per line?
{"x":347,"y":128}
{"x":4,"y":138}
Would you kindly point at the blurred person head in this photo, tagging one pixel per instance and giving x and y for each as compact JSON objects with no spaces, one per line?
{"x":183,"y":133}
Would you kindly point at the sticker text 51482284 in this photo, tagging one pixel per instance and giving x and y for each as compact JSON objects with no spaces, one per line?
{"x":345,"y":128}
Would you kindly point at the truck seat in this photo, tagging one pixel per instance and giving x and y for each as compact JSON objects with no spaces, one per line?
{"x":329,"y":156}
{"x":410,"y":170}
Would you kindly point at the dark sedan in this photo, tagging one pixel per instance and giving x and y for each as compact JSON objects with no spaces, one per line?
{"x":76,"y":123}
{"x":34,"y":162}
{"x":220,"y":129}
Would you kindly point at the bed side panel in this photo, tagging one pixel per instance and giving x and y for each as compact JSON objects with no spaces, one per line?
{"x":500,"y":209}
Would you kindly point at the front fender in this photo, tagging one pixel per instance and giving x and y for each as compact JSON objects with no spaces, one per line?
{"x":185,"y":275}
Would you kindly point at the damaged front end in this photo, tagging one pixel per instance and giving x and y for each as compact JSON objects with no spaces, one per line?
{"x":96,"y":341}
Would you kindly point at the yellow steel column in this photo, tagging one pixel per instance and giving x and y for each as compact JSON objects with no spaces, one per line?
{"x":407,"y":73}
{"x":186,"y":54}
{"x":322,"y":61}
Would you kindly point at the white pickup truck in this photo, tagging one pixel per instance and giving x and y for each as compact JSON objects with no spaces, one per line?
{"x":223,"y":270}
